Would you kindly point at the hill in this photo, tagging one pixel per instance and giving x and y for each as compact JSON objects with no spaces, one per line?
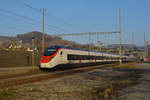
{"x":4,"y":38}
{"x":26,"y":39}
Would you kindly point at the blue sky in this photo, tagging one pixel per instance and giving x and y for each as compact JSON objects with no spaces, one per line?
{"x":71,"y":16}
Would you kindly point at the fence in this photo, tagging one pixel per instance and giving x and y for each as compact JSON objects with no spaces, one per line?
{"x":18,"y":58}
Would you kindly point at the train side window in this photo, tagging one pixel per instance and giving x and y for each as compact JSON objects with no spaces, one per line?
{"x":61,"y":53}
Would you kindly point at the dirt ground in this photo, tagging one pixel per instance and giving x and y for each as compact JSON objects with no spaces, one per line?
{"x":86,"y":85}
{"x":16,"y":71}
{"x":73,"y":87}
{"x":140,"y":91}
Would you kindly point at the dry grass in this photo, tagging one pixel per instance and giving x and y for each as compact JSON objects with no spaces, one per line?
{"x":109,"y":91}
{"x":126,"y":65}
{"x":8,"y":93}
{"x":18,"y":73}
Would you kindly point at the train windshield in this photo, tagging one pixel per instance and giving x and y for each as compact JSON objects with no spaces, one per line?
{"x":50,"y":51}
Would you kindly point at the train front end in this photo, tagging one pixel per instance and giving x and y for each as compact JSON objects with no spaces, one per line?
{"x":49,"y":57}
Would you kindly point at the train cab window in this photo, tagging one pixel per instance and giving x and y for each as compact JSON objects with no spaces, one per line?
{"x":61,"y":53}
{"x":50,"y":51}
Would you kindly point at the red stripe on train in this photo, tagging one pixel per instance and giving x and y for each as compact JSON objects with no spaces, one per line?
{"x":46,"y":59}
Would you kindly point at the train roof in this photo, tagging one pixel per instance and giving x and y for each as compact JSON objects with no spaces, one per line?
{"x":67,"y":47}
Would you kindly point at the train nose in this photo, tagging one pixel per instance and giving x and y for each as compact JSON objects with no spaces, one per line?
{"x":47,"y":65}
{"x":45,"y":59}
{"x":44,"y":65}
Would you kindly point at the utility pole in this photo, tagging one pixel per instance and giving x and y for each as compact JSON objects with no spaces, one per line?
{"x":89,"y":42}
{"x":145,"y":50}
{"x":43,"y":31}
{"x":33,"y":51}
{"x":120,"y":30}
{"x":133,"y":41}
{"x":98,"y":49}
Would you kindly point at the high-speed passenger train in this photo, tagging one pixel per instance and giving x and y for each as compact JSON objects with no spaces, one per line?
{"x":61,"y":55}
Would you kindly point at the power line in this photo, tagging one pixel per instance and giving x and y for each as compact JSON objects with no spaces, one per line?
{"x":14,"y":28}
{"x":39,"y":10}
{"x":86,"y":33}
{"x":29,"y":6}
{"x":18,"y":15}
{"x":58,"y":19}
{"x":28,"y":18}
{"x":14,"y":18}
{"x":55,"y":28}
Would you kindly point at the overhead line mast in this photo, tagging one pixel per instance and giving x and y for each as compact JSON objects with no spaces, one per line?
{"x":43,"y":31}
{"x":120,"y":31}
{"x":133,"y":46}
{"x":145,"y":46}
{"x":96,"y":33}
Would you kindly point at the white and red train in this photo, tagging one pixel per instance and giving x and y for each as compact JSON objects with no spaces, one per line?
{"x":60,"y":55}
{"x":147,"y":59}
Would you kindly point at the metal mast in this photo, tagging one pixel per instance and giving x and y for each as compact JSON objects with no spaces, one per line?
{"x":33,"y":51}
{"x":89,"y":42}
{"x":144,"y":45}
{"x":133,"y":41}
{"x":120,"y":31}
{"x":43,"y":30}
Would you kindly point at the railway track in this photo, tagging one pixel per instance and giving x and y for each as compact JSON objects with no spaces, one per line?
{"x":25,"y":79}
{"x":20,"y":74}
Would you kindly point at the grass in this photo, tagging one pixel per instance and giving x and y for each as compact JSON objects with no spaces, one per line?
{"x":110,"y":90}
{"x":126,"y":65}
{"x":8,"y":93}
{"x":118,"y":83}
{"x":18,"y":73}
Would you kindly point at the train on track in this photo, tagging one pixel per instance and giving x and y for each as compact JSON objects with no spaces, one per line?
{"x":61,"y":55}
{"x":147,"y":59}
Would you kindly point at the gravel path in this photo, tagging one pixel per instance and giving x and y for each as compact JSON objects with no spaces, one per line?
{"x":140,"y":91}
